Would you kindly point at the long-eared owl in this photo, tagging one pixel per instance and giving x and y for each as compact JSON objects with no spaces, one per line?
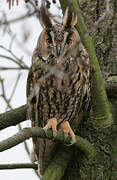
{"x":58,"y":85}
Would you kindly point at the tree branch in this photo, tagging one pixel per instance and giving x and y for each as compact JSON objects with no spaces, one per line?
{"x":13,"y":117}
{"x":26,"y":133}
{"x":58,"y":164}
{"x":107,"y":12}
{"x":18,"y":166}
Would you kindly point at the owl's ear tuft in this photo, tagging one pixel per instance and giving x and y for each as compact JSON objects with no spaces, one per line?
{"x":69,"y":18}
{"x":45,"y":18}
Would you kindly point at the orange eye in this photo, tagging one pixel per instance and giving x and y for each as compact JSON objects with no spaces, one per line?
{"x":49,"y":41}
{"x":69,"y":42}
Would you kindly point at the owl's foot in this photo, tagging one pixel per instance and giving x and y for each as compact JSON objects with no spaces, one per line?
{"x":52,"y":123}
{"x":65,"y":126}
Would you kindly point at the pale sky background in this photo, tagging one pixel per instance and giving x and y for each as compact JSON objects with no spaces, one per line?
{"x":17,"y":154}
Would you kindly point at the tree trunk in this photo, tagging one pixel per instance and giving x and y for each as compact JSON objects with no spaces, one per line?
{"x":104,"y":164}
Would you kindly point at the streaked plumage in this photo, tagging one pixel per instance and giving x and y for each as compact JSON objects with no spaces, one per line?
{"x":58,"y":84}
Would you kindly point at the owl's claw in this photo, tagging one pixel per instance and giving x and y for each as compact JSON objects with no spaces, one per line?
{"x":65,"y":126}
{"x":52,"y":123}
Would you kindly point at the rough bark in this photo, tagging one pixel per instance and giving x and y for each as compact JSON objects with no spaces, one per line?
{"x":13,"y":117}
{"x":104,"y":36}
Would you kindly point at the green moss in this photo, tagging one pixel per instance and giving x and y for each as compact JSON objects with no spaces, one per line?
{"x":13,"y":117}
{"x":56,"y":168}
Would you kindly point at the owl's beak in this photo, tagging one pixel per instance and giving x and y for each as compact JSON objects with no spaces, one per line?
{"x":58,"y":50}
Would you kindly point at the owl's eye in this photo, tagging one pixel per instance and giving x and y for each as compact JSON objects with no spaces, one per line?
{"x":69,"y":42}
{"x":49,"y":41}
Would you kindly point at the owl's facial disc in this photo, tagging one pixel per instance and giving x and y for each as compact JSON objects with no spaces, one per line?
{"x":60,"y":41}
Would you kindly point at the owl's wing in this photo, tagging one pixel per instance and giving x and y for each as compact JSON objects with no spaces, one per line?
{"x":30,"y":96}
{"x":29,"y":82}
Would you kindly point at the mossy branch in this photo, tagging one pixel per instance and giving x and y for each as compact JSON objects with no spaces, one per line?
{"x":102,"y":116}
{"x":19,"y":166}
{"x":61,"y":158}
{"x":13,"y":117}
{"x":26,"y":133}
{"x":58,"y":164}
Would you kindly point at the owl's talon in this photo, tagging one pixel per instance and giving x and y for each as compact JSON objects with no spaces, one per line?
{"x":65,"y":126}
{"x":52,"y":123}
{"x":71,"y":143}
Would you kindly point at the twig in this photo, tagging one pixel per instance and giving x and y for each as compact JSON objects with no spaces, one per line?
{"x":18,"y":166}
{"x":4,"y":93}
{"x":104,"y":14}
{"x":102,"y":17}
{"x":11,"y":41}
{"x":14,"y":88}
{"x":18,"y":18}
{"x":12,"y":68}
{"x":16,"y":60}
{"x":11,"y":59}
{"x":34,"y":6}
{"x":7,"y":100}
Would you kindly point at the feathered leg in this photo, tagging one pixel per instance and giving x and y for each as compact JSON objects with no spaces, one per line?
{"x":52,"y":123}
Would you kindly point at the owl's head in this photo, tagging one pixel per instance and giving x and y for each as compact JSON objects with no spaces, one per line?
{"x":58,"y":40}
